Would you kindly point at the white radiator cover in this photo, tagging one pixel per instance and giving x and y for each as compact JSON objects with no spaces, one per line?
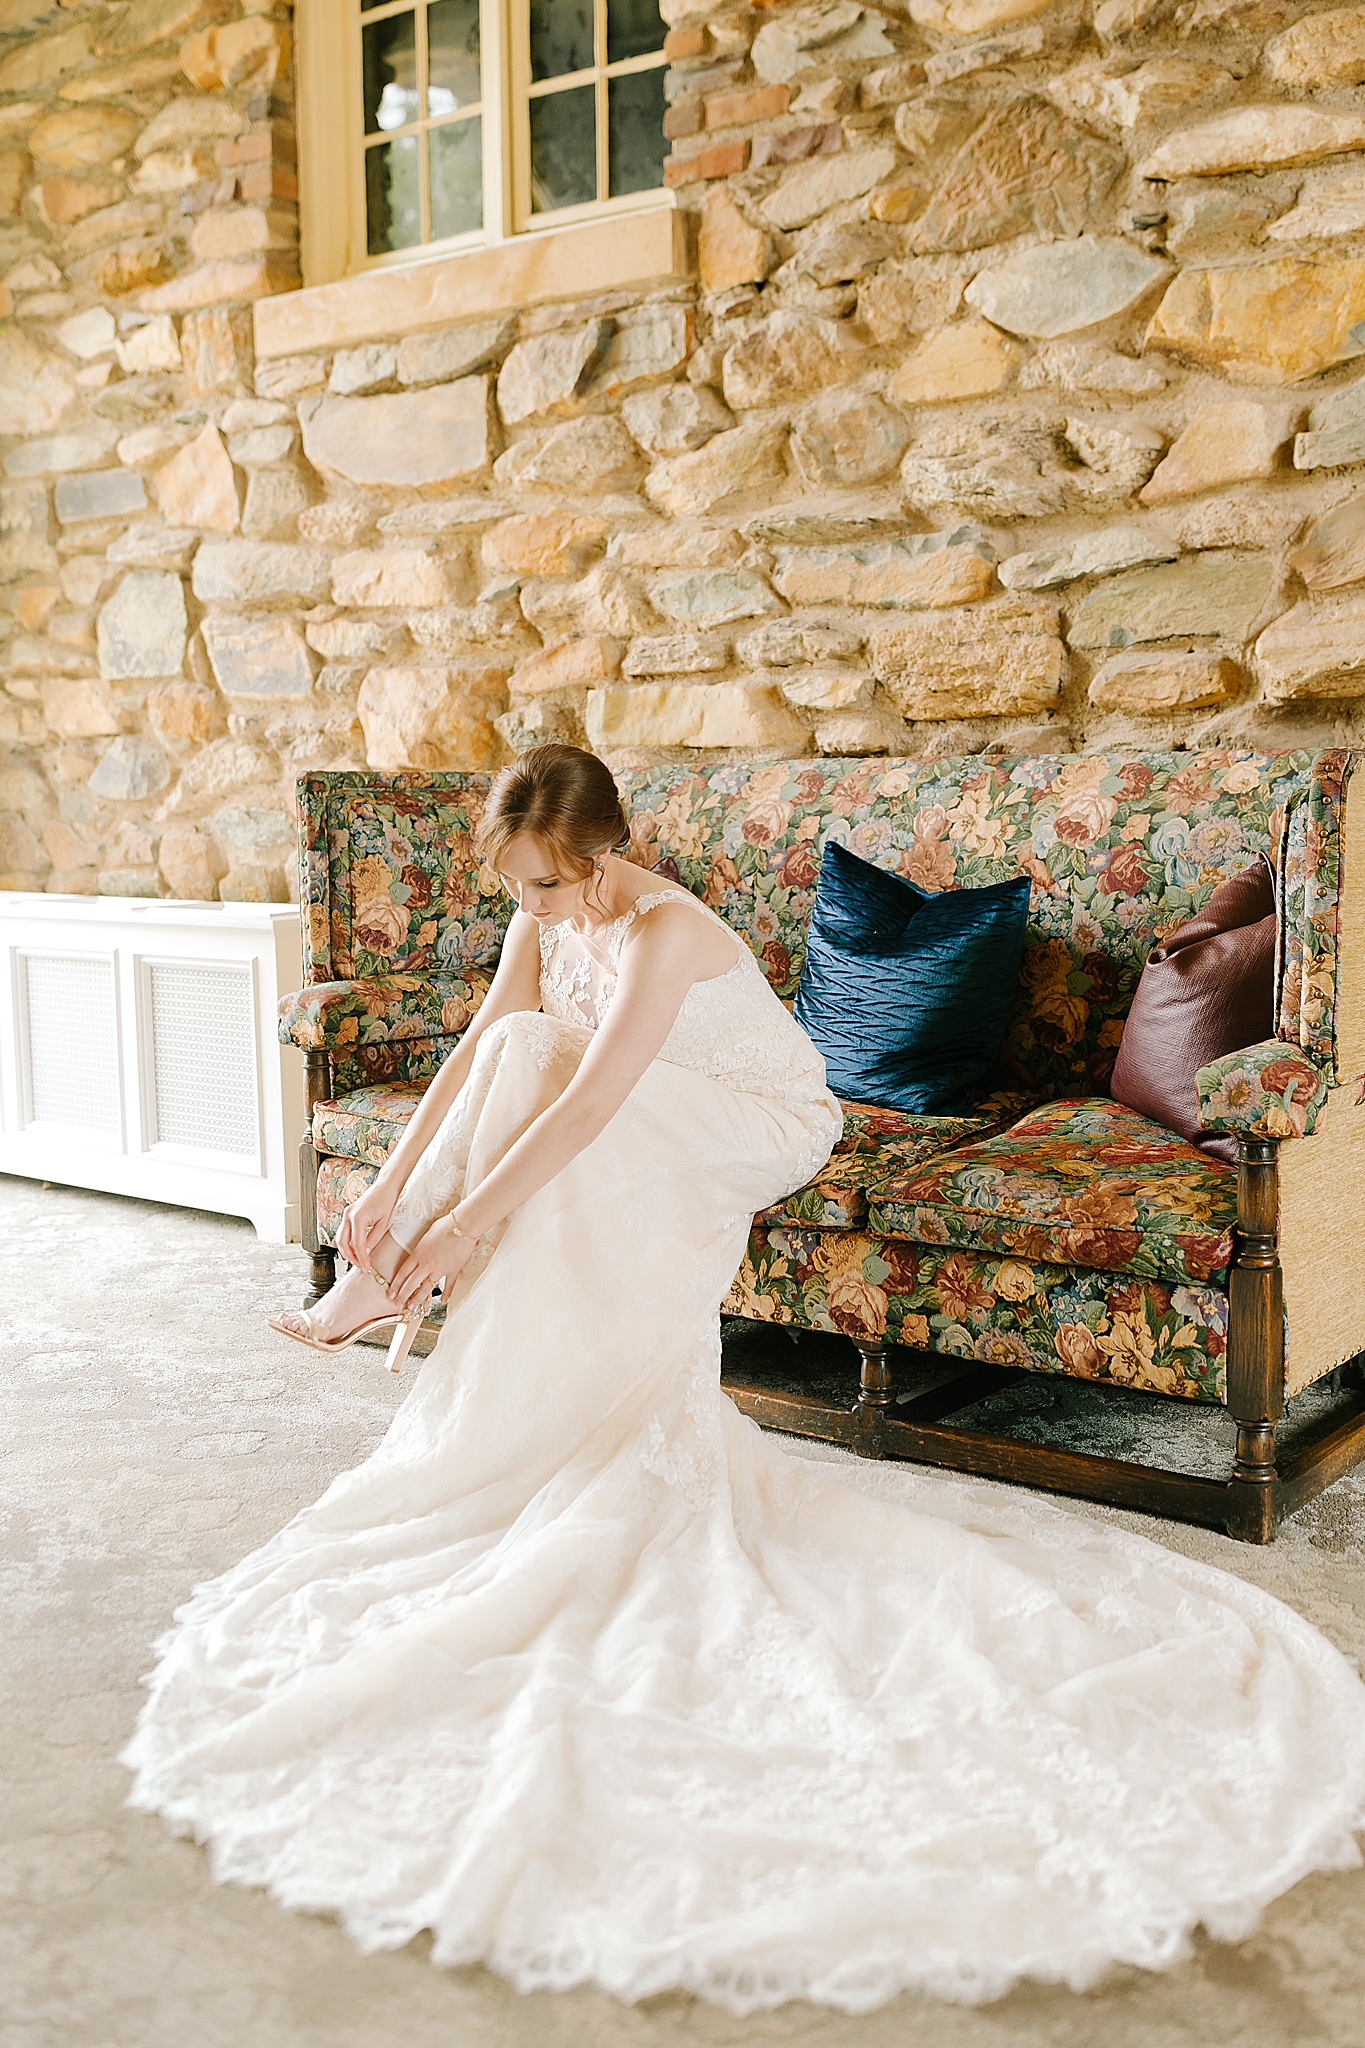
{"x":138,"y":1052}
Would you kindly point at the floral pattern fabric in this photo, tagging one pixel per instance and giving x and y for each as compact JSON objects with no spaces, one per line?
{"x":366,"y":1124}
{"x":1310,"y":906}
{"x":1266,"y":1091}
{"x":388,"y":882}
{"x":1088,"y":1184}
{"x":339,"y":1015}
{"x":1002,"y":1310}
{"x":1121,"y":849}
{"x":876,"y":1143}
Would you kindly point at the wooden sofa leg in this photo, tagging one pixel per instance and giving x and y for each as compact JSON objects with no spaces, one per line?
{"x":876,"y":1393}
{"x":322,"y":1270}
{"x":1255,"y":1361}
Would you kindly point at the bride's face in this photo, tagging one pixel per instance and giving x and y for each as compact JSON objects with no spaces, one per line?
{"x":528,"y":871}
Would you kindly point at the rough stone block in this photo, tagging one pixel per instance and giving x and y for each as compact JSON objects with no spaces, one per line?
{"x":812,"y":188}
{"x":826,"y":689}
{"x":730,"y":251}
{"x":571,"y":665}
{"x":363,"y":369}
{"x":993,"y":661}
{"x":148,"y":544}
{"x":274,"y":500}
{"x":1082,"y":366}
{"x":1254,"y":139}
{"x":146,"y":22}
{"x":288,"y":376}
{"x":582,"y":456}
{"x":969,"y":359}
{"x":252,"y":827}
{"x":35,"y":386}
{"x":713,"y":597}
{"x":848,"y":438}
{"x":675,"y":654}
{"x":433,"y":718}
{"x":783,"y":356}
{"x":1102,"y":553}
{"x":1314,"y":650}
{"x":749,"y":714}
{"x":80,"y":709}
{"x":191,"y":865}
{"x":1026,"y":169}
{"x":376,"y":577}
{"x":60,"y":452}
{"x":250,"y":52}
{"x":607,"y":600}
{"x":459,"y":352}
{"x":257,"y":657}
{"x":1324,"y":49}
{"x":1162,"y":682}
{"x":746,"y":459}
{"x":261,"y":445}
{"x":151,"y":348}
{"x":1215,"y":597}
{"x":78,"y":139}
{"x":832,"y":31}
{"x":197,"y":487}
{"x":184,"y":711}
{"x":971,"y":17}
{"x":676,"y":419}
{"x":142,"y":627}
{"x":641,"y":353}
{"x":923,"y":570}
{"x":1333,"y":549}
{"x":357,"y":639}
{"x":1282,"y":321}
{"x":1223,"y":443}
{"x":439,"y":436}
{"x":542,"y":544}
{"x":788,"y":643}
{"x":797,"y":145}
{"x":90,"y":334}
{"x":545,"y":374}
{"x":24,"y":544}
{"x":1063,"y":286}
{"x":261,"y":572}
{"x":216,"y":349}
{"x":130,"y":768}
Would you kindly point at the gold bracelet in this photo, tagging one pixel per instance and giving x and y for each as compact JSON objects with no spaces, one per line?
{"x":461,"y":1233}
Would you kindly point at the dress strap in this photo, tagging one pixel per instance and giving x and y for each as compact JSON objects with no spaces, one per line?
{"x":648,"y":902}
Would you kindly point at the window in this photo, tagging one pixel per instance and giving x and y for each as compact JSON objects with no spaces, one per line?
{"x":471,"y":120}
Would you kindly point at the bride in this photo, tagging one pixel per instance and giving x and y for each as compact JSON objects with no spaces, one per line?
{"x":585,"y":1675}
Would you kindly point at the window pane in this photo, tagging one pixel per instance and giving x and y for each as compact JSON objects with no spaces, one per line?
{"x":634,"y":27}
{"x":563,"y":149}
{"x":453,"y":56}
{"x":456,"y":166}
{"x":561,"y":38}
{"x":635,"y":131}
{"x":393,"y":215}
{"x":390,"y":67}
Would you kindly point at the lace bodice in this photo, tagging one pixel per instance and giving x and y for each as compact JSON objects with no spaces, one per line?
{"x":732,"y":1027}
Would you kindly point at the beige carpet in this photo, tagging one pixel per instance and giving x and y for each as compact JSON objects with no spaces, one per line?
{"x":153,"y":1432}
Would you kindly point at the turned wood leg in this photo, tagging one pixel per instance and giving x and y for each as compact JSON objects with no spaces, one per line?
{"x":322,"y":1269}
{"x":876,"y":1392}
{"x":1256,"y":1343}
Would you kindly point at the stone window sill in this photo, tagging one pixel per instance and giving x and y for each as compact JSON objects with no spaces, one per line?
{"x":651,"y":246}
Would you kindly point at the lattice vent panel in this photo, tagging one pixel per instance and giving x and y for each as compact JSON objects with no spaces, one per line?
{"x":204,"y":1058}
{"x":72,"y":1035}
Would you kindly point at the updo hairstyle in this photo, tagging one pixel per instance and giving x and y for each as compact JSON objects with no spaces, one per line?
{"x":562,"y":795}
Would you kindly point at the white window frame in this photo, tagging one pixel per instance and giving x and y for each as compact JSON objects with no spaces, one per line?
{"x":331,"y":160}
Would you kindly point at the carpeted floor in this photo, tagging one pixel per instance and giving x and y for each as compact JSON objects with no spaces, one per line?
{"x":153,"y":1432}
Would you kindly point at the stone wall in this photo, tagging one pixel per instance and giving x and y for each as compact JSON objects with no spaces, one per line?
{"x":1015,"y":405}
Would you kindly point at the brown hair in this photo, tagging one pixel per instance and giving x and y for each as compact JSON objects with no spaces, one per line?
{"x":564,"y":796}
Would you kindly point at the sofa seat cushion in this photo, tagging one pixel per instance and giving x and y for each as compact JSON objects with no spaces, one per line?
{"x":1001,"y":1310}
{"x":1086,"y":1183}
{"x":877,"y":1144}
{"x":366,"y":1123}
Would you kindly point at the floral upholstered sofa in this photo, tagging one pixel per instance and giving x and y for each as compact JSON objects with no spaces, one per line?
{"x":1049,"y":1231}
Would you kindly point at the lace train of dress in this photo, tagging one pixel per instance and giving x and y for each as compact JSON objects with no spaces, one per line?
{"x":584,"y":1674}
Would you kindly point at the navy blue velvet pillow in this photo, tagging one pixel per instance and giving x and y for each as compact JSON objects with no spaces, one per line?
{"x":906,"y":994}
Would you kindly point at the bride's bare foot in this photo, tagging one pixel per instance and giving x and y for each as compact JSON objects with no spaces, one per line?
{"x":356,"y":1299}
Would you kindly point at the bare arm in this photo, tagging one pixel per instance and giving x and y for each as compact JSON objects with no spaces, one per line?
{"x":659,"y":964}
{"x":516,"y":986}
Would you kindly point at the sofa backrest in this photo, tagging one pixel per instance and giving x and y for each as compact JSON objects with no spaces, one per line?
{"x":1121,"y":848}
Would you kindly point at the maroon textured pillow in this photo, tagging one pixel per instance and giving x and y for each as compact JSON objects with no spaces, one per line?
{"x":1208,"y":991}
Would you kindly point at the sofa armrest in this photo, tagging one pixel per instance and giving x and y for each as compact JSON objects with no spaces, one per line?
{"x":1267,"y":1091}
{"x":334,"y":1016}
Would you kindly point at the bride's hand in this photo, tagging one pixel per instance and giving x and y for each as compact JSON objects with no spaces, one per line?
{"x":365,"y":1224}
{"x":438,"y":1256}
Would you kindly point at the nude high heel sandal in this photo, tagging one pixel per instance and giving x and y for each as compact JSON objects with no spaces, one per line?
{"x":404,"y":1333}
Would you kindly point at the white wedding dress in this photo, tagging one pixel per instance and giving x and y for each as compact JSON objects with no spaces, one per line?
{"x":582,"y":1673}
